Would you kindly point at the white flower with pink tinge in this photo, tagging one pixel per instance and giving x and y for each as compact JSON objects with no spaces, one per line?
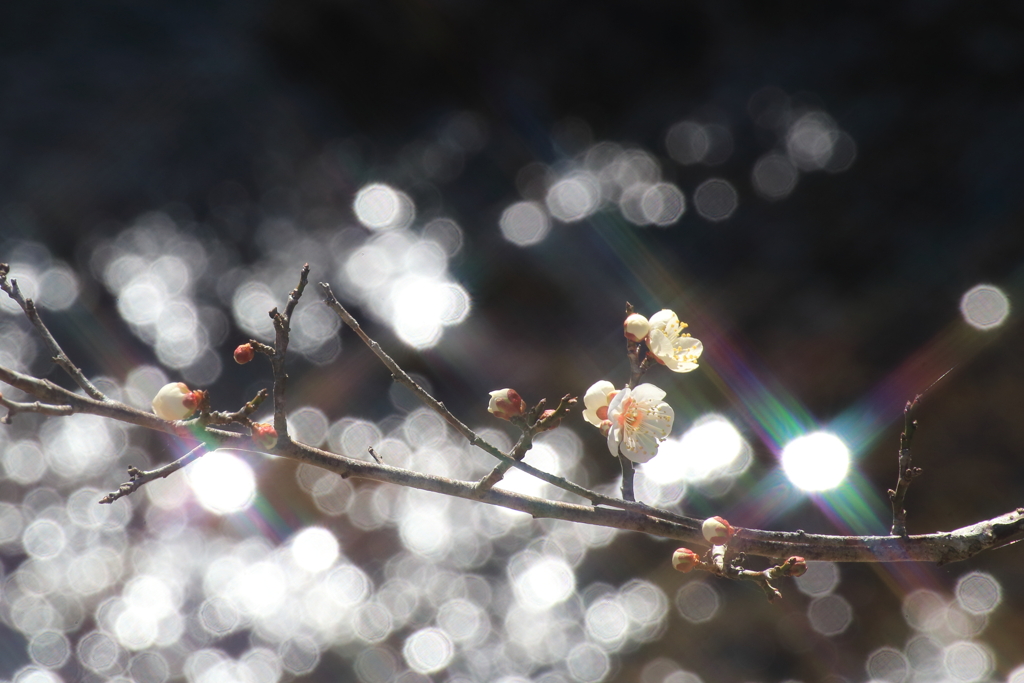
{"x":640,"y":420}
{"x":669,"y":345}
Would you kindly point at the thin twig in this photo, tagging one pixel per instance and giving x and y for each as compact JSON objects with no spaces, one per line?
{"x":137,"y":478}
{"x":282,"y":329}
{"x":14,"y":407}
{"x":530,"y":429}
{"x":907,"y":472}
{"x":373,"y":454}
{"x":56,"y":353}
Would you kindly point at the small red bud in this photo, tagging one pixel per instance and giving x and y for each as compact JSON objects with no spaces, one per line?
{"x":796,"y":566}
{"x":264,"y":435}
{"x":244,"y":354}
{"x":684,"y":560}
{"x":717,"y":531}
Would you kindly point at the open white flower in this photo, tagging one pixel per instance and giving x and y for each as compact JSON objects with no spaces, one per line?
{"x":670,"y":346}
{"x":596,"y":401}
{"x":640,"y":420}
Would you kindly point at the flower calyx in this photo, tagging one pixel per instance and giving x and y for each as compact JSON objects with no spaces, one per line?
{"x":717,"y":531}
{"x":175,"y":401}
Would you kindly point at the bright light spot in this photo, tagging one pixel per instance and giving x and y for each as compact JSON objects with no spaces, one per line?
{"x":58,"y":288}
{"x":924,"y":610}
{"x":607,"y":622}
{"x":543,"y":582}
{"x":379,"y":206}
{"x":774,"y":176}
{"x":1017,"y":675}
{"x":698,"y":602}
{"x":925,"y":654}
{"x":49,"y":648}
{"x":816,"y":462}
{"x":308,"y":425}
{"x":967,"y":661}
{"x":830,"y":615}
{"x":978,"y":592}
{"x":821,"y":579}
{"x":446,"y":233}
{"x":588,"y":663}
{"x":524,"y":223}
{"x":662,"y":204}
{"x":810,"y":141}
{"x":428,"y":650}
{"x":574,"y":198}
{"x":466,"y":623}
{"x":888,"y":664}
{"x":687,"y":142}
{"x":250,"y":305}
{"x":715,"y":199}
{"x":315,"y":549}
{"x":222,"y":482}
{"x":985,"y":307}
{"x":43,"y":539}
{"x":419,"y":305}
{"x":98,"y":651}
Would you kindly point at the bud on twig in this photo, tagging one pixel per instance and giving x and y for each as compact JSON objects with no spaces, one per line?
{"x":506,"y":404}
{"x":717,"y":531}
{"x":796,"y":566}
{"x":684,"y":560}
{"x":264,"y":435}
{"x":244,"y":354}
{"x":636,"y":327}
{"x":175,"y":401}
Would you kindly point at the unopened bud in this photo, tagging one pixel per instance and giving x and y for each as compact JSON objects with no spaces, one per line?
{"x":684,"y":560}
{"x":244,"y":354}
{"x":717,"y":531}
{"x":264,"y":435}
{"x":545,"y":415}
{"x":175,"y":401}
{"x":636,"y":327}
{"x":506,"y":404}
{"x":796,"y":566}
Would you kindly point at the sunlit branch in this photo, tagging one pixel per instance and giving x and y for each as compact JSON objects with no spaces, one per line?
{"x":14,"y":407}
{"x":137,"y":478}
{"x":10,"y":287}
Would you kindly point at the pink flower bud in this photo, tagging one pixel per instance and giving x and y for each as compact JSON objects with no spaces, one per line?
{"x":264,"y":435}
{"x":796,"y":566}
{"x":684,"y":560}
{"x":244,"y":354}
{"x":717,"y":531}
{"x":175,"y":401}
{"x":506,"y":404}
{"x":636,"y":327}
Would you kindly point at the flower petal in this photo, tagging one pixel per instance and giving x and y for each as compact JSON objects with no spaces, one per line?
{"x":597,"y":394}
{"x":648,"y":393}
{"x":641,"y":447}
{"x":663,"y":319}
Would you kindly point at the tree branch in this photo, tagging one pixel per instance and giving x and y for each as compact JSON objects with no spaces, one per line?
{"x":137,"y":478}
{"x":57,"y":354}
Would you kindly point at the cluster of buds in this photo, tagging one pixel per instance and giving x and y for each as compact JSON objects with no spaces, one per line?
{"x":175,"y":401}
{"x":666,"y":342}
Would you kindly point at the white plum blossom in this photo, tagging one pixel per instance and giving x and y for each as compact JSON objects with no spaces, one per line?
{"x":639,"y":420}
{"x":596,"y":402}
{"x":669,"y":345}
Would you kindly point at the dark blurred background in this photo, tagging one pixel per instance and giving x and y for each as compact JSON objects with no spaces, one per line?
{"x":836,"y":289}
